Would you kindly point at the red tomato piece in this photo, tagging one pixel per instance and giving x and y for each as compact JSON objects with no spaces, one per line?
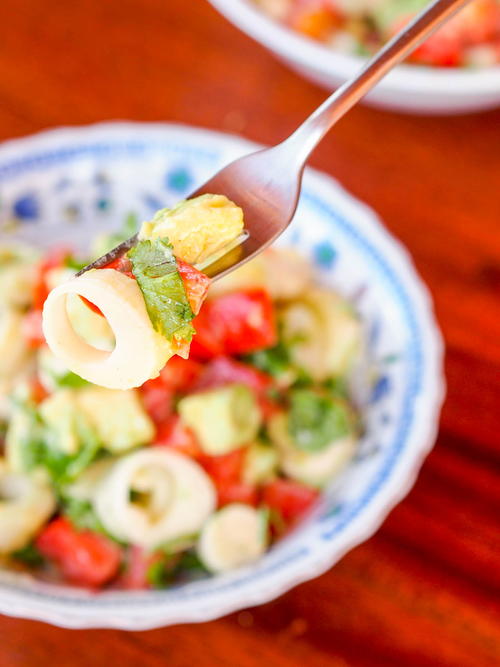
{"x":227,"y":468}
{"x":174,"y":434}
{"x":195,"y":283}
{"x":157,"y":399}
{"x":315,"y":18}
{"x":224,"y":370}
{"x":83,"y":557}
{"x":290,"y":498}
{"x":180,"y":375}
{"x":226,"y":472}
{"x":31,"y":328}
{"x":138,"y":562}
{"x":92,"y":306}
{"x":121,"y":264}
{"x":206,"y":343}
{"x":37,"y":390}
{"x":235,"y":323}
{"x":54,"y":259}
{"x":237,"y":492}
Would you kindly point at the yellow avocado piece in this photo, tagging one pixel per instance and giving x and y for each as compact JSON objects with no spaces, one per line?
{"x":197,"y":228}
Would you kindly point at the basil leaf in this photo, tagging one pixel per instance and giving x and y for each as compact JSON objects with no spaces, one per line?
{"x":29,"y":555}
{"x":155,"y":268}
{"x":317,"y":420}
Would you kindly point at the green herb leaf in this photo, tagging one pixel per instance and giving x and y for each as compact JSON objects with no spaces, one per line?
{"x":38,"y":444}
{"x":275,"y":360}
{"x":317,"y":420}
{"x":29,"y":555}
{"x":155,"y":268}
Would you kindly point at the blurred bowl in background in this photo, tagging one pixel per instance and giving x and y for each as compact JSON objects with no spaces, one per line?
{"x":408,"y":88}
{"x":63,"y":186}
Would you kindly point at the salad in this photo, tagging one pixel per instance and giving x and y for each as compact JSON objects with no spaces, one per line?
{"x":361,"y":27}
{"x":198,"y":469}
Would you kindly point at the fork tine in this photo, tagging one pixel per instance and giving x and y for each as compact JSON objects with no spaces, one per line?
{"x":110,"y":256}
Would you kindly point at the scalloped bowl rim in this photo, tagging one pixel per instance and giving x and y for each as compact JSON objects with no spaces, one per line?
{"x":108,"y":612}
{"x":308,"y":53}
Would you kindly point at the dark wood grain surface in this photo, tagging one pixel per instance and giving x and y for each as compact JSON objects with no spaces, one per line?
{"x":424,"y":590}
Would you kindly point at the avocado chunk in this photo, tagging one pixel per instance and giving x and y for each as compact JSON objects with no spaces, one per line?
{"x":222,"y":419}
{"x":261,"y":463}
{"x":197,"y":228}
{"x":118,"y":417}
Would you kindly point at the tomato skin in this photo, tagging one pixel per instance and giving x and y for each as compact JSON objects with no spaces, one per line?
{"x":31,"y":329}
{"x":54,"y":259}
{"x":121,"y":264}
{"x":224,"y":370}
{"x":207,"y":343}
{"x":138,"y":562}
{"x":174,"y":434}
{"x":180,"y":375}
{"x":315,"y":18}
{"x":237,"y":492}
{"x":226,"y":468}
{"x":84,"y":558}
{"x":235,"y":323}
{"x":290,"y":498}
{"x":226,"y":473}
{"x":157,"y":399}
{"x":195,"y":283}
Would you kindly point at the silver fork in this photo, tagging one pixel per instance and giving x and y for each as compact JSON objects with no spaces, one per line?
{"x":266,"y":184}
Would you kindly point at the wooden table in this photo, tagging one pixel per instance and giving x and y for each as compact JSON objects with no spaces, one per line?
{"x":424,"y":590}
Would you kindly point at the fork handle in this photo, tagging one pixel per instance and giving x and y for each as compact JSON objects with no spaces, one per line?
{"x":310,"y":133}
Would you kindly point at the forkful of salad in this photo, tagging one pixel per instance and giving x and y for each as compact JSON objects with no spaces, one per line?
{"x":151,"y":286}
{"x":266,"y":184}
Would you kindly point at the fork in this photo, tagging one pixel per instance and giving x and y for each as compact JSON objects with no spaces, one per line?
{"x":266,"y":184}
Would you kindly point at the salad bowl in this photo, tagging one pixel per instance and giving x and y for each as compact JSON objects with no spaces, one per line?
{"x":408,"y":88}
{"x":66,"y":185}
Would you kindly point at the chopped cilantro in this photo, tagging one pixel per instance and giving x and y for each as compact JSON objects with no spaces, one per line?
{"x":155,"y":268}
{"x":39,"y":444}
{"x":275,"y":360}
{"x":29,"y":555}
{"x":83,"y":517}
{"x":316,"y":420}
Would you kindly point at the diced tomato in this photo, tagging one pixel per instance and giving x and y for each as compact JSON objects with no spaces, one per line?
{"x":174,"y":434}
{"x":31,"y":328}
{"x":206,"y":343}
{"x":226,"y":472}
{"x":37,"y":391}
{"x":195,"y":283}
{"x":54,"y":259}
{"x":224,"y":370}
{"x":157,"y":399}
{"x":180,"y":375}
{"x":137,"y":564}
{"x":235,"y":323}
{"x":121,"y":264}
{"x":314,"y":18}
{"x":291,"y":499}
{"x":92,"y":306}
{"x":237,"y":492}
{"x":226,"y":468}
{"x":84,"y":557}
{"x":440,"y":50}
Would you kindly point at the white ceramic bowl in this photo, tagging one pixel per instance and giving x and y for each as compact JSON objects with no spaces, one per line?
{"x":408,"y":88}
{"x":64,"y":185}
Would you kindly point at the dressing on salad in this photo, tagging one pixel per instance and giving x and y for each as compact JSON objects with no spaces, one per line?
{"x":171,"y":470}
